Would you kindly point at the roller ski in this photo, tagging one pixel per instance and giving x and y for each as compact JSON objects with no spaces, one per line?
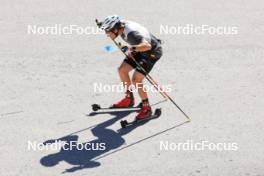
{"x":145,"y":114}
{"x":97,"y":107}
{"x":138,"y":121}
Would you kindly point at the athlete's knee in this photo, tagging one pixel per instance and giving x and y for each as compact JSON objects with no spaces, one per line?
{"x":136,"y":80}
{"x":122,"y":70}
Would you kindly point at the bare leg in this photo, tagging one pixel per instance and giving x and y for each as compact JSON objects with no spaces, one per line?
{"x":123,"y":71}
{"x":138,"y":82}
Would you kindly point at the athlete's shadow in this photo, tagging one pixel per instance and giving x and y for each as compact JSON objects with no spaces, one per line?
{"x":83,"y":158}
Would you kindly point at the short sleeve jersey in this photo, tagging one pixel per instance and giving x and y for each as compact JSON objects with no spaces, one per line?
{"x":134,"y":33}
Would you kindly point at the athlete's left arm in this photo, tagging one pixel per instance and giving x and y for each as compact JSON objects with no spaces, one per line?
{"x":144,"y":45}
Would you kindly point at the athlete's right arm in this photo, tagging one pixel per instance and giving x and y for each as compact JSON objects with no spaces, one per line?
{"x":111,"y":35}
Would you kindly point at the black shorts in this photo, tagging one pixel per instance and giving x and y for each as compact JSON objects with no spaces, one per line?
{"x":146,"y":61}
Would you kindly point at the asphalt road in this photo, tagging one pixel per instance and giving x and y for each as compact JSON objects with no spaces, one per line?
{"x":47,"y":86}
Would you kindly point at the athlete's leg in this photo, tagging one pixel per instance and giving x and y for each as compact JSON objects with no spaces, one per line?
{"x":123,"y":71}
{"x":137,"y":80}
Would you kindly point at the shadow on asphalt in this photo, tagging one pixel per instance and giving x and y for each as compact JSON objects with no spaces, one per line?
{"x":83,"y":158}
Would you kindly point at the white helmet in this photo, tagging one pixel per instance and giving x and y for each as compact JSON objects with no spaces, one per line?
{"x":110,"y":22}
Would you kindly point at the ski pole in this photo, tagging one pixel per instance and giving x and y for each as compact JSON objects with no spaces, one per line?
{"x":153,"y":82}
{"x":148,"y":77}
